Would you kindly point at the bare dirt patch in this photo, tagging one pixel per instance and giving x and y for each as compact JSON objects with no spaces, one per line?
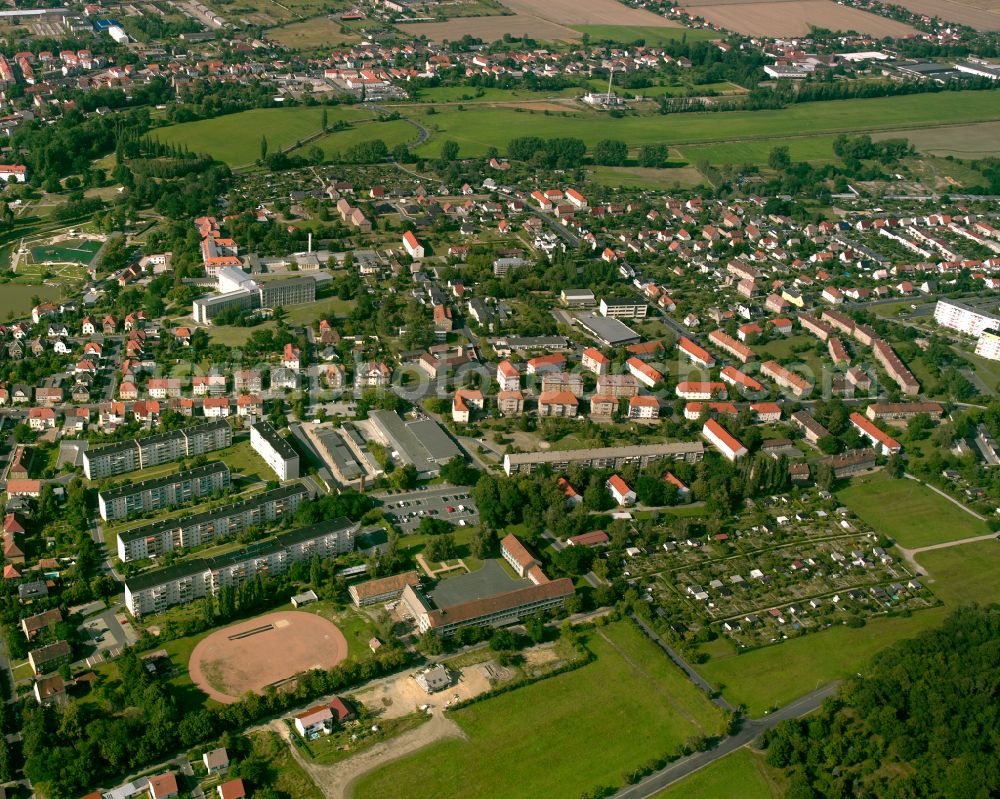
{"x":589,"y":12}
{"x":981,"y":140}
{"x":982,"y":15}
{"x":492,"y":28}
{"x":263,"y":651}
{"x":793,"y":17}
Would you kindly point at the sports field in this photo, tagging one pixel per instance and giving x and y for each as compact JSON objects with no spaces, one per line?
{"x":909,"y":512}
{"x":740,"y":775}
{"x":235,"y":138}
{"x":562,"y":736}
{"x":263,"y":651}
{"x":77,"y":251}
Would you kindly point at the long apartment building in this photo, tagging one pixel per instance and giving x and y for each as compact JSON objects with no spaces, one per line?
{"x":129,"y":499}
{"x":964,"y":318}
{"x":276,"y":452}
{"x":604,"y":457}
{"x":142,"y":453}
{"x":895,"y":368}
{"x":171,"y":535}
{"x":188,"y":580}
{"x":785,"y":378}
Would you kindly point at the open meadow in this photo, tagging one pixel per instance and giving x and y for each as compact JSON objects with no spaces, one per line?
{"x":392,"y":133}
{"x":236,"y":138}
{"x":477,"y":129}
{"x":981,"y":140}
{"x":588,"y":728}
{"x":739,"y":775}
{"x":964,"y":574}
{"x":908,"y":512}
{"x":492,"y":29}
{"x":792,"y":17}
{"x":16,"y":298}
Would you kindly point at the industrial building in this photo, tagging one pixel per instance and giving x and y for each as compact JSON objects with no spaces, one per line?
{"x":422,"y":442}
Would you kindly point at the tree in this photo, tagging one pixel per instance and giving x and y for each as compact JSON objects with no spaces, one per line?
{"x":610,"y":152}
{"x":653,"y":155}
{"x":325,"y":120}
{"x":263,"y":147}
{"x":440,"y":549}
{"x":779,"y":158}
{"x":483,"y":544}
{"x":405,"y":478}
{"x":449,"y":151}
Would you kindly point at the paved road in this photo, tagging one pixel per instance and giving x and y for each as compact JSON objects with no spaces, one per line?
{"x":680,"y":769}
{"x":693,"y":675}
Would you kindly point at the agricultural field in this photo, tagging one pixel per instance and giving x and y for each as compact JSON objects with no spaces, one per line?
{"x":961,"y":141}
{"x":235,"y":138}
{"x":909,"y":512}
{"x":589,"y":12}
{"x":798,"y":18}
{"x":982,"y":15}
{"x":477,"y":129}
{"x":644,"y":177}
{"x":740,"y":775}
{"x":319,"y":32}
{"x":492,"y":29}
{"x":628,"y":706}
{"x":653,"y":36}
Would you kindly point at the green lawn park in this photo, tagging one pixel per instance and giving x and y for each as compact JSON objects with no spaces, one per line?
{"x":909,"y":512}
{"x":739,"y":775}
{"x":587,"y":728}
{"x":235,"y":138}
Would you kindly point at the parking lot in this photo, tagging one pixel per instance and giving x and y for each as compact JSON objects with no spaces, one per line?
{"x":451,"y":503}
{"x":110,"y":631}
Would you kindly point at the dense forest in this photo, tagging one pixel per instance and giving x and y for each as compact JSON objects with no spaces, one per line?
{"x":923,"y":721}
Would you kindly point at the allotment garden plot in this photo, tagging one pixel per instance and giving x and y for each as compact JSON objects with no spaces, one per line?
{"x":787,"y":571}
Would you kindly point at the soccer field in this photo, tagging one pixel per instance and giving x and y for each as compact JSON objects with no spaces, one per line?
{"x":909,"y":512}
{"x":566,"y":735}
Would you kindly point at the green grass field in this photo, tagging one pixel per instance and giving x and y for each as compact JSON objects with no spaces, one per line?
{"x":644,"y":177}
{"x":477,"y":129}
{"x":652,"y":36}
{"x":290,"y":779}
{"x":15,"y":298}
{"x":562,"y":736}
{"x":814,"y":149}
{"x":327,"y":308}
{"x":776,"y":675}
{"x":392,"y":133}
{"x":235,"y":138}
{"x":909,"y":512}
{"x":964,"y":574}
{"x":740,"y":775}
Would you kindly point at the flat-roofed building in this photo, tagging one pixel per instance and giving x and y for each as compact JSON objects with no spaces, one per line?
{"x":623,"y":308}
{"x":423,"y":443}
{"x":275,"y":450}
{"x":128,"y":499}
{"x":143,"y":453}
{"x":182,"y":532}
{"x":604,"y":457}
{"x":183,"y":582}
